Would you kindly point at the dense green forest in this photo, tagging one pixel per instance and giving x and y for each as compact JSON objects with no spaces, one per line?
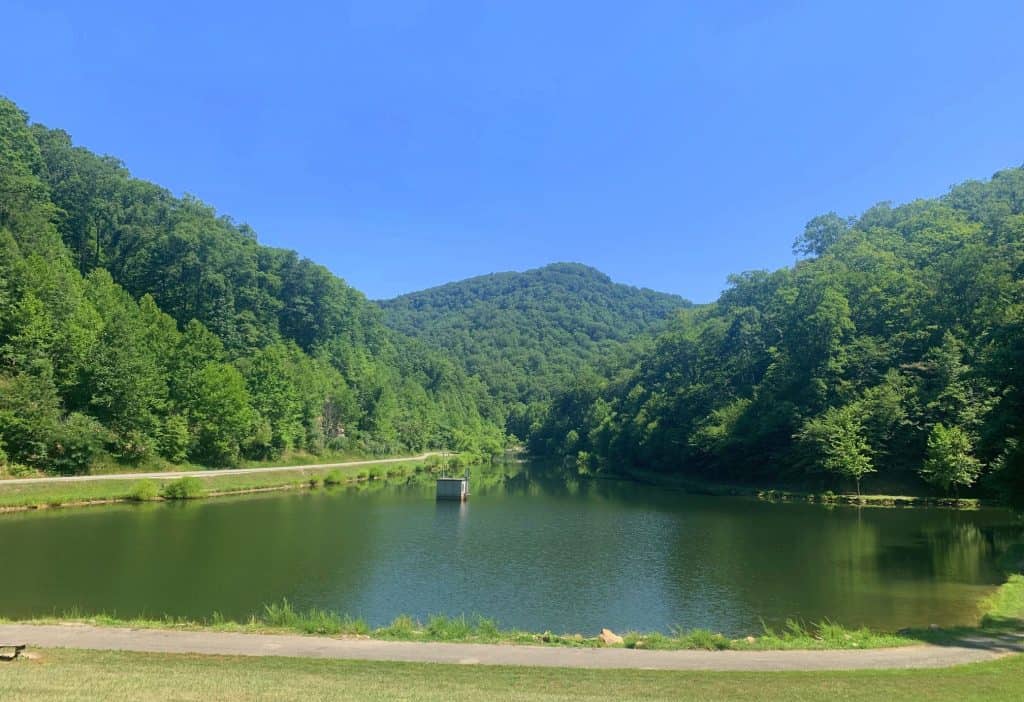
{"x":136,"y":325}
{"x":527,"y":335}
{"x":892,"y":351}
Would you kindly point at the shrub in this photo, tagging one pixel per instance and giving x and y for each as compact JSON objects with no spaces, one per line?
{"x":77,"y":439}
{"x":374,"y":474}
{"x":183,"y":489}
{"x":132,"y":446}
{"x":333,"y":478}
{"x":144,"y":491}
{"x":175,"y":438}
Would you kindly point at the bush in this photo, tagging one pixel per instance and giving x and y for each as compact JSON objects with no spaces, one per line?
{"x":175,"y":438}
{"x":144,"y":491}
{"x":333,"y":478}
{"x":77,"y":439}
{"x":183,"y":489}
{"x":374,"y":474}
{"x":133,"y":446}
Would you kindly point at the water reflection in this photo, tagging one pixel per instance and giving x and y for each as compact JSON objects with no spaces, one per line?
{"x":533,"y":547}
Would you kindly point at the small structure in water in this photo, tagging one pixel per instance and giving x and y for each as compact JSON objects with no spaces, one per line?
{"x":453,"y":488}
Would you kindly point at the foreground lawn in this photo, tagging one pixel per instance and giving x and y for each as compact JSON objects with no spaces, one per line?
{"x":66,"y":674}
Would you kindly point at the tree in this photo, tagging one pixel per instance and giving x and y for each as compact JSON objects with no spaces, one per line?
{"x":838,"y":437}
{"x":274,"y":396}
{"x":820,"y":234}
{"x":949,"y":461}
{"x":220,"y":414}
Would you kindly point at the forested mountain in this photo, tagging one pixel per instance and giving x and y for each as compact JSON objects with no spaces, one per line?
{"x":138,"y":324}
{"x":527,"y":335}
{"x":893,"y":350}
{"x":142,"y":324}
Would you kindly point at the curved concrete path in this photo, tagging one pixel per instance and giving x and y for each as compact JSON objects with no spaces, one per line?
{"x":224,"y":643}
{"x":212,"y":473}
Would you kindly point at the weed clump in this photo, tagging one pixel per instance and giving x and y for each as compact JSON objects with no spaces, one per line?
{"x":312,"y":621}
{"x":144,"y":491}
{"x":183,"y":489}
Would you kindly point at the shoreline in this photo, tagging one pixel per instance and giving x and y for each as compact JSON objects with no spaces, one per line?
{"x":696,"y":486}
{"x":1001,"y":615}
{"x":20,"y":495}
{"x":63,"y":494}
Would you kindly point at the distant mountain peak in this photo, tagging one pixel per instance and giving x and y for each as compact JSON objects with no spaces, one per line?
{"x":525,"y":333}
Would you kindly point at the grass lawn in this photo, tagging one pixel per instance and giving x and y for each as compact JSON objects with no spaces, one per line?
{"x":67,"y":674}
{"x":15,"y":496}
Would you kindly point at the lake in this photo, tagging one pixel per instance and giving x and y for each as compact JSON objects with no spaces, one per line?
{"x":532,"y":549}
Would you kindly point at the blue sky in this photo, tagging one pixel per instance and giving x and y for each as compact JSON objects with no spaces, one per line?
{"x":406,"y":144}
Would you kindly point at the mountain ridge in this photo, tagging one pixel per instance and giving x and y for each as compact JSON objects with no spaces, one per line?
{"x":527,"y":333}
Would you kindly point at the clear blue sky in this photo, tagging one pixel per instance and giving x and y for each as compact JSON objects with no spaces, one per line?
{"x":406,"y":144}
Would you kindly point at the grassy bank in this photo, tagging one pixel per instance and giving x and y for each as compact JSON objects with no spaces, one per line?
{"x":68,"y":674}
{"x":283,"y":618}
{"x":1001,"y":612}
{"x":779,"y":494}
{"x":212,"y":483}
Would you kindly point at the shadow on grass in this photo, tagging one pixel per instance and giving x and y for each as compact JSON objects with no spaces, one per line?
{"x":996,"y":633}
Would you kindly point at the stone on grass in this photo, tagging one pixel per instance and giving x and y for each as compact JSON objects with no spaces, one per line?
{"x":610,"y":638}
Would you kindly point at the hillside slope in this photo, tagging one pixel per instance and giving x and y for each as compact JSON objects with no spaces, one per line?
{"x":143,"y":325}
{"x":527,"y":334}
{"x":892,"y":352}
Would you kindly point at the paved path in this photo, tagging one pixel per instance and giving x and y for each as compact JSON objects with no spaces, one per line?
{"x":210,"y":642}
{"x":210,"y":473}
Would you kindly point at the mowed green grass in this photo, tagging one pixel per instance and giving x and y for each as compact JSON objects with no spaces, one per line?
{"x":66,"y":674}
{"x":221,"y":481}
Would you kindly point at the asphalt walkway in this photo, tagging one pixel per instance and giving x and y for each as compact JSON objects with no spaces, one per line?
{"x":211,"y":473}
{"x":293,"y":645}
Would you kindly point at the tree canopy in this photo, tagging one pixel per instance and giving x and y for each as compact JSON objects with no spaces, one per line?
{"x":527,"y":335}
{"x":893,"y":350}
{"x":140,"y":324}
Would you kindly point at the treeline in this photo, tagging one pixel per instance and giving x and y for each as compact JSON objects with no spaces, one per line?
{"x":527,"y":335}
{"x":138,"y":324}
{"x":892,"y":351}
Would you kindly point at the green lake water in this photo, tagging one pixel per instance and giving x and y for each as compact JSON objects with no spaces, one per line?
{"x":531,"y":550}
